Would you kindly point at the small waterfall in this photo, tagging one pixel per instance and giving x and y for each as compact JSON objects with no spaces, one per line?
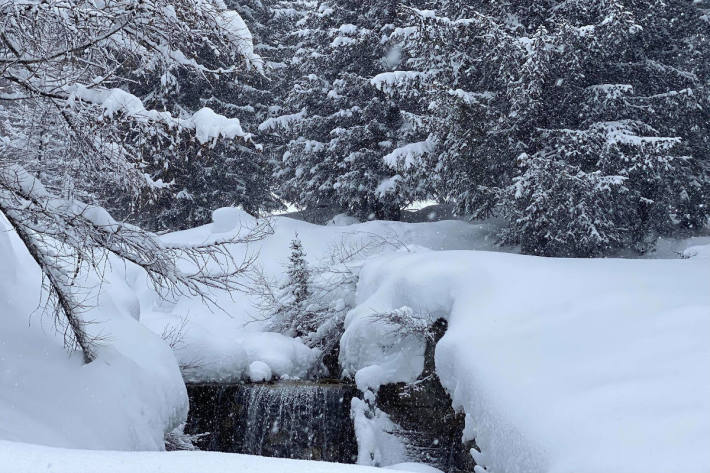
{"x":285,"y":419}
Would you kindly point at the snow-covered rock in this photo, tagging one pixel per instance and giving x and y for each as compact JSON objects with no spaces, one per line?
{"x":259,"y":372}
{"x":560,"y":364}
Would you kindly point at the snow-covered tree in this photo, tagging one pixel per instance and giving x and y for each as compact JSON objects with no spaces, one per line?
{"x":294,"y":314}
{"x":72,"y":130}
{"x":196,"y":179}
{"x":337,"y":125}
{"x":609,"y":96}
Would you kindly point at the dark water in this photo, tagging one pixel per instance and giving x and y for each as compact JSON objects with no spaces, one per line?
{"x":286,"y":419}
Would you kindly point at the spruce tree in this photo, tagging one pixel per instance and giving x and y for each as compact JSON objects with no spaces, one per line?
{"x":584,"y":124}
{"x":191,"y":179}
{"x":337,"y":127}
{"x":298,"y":275}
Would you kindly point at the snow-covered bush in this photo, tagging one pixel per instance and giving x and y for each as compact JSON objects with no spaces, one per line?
{"x":312,"y":302}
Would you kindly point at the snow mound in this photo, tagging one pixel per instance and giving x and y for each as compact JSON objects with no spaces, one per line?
{"x":376,"y":445}
{"x":228,"y":219}
{"x":699,"y":251}
{"x":126,"y":399}
{"x":343,"y":220}
{"x":211,"y":347}
{"x":259,"y":372}
{"x":218,"y":343}
{"x":559,"y":364}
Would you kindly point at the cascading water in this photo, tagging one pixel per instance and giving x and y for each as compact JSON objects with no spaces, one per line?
{"x":285,"y":419}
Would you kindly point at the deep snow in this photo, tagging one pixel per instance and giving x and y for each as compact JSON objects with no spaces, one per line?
{"x":24,"y":458}
{"x":220,"y":343}
{"x":560,"y":364}
{"x":124,"y":400}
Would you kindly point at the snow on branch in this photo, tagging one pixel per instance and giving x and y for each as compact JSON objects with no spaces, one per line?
{"x":409,"y":155}
{"x":68,"y":237}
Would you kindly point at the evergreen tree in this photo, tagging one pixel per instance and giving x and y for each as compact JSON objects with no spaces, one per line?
{"x":298,"y":277}
{"x":337,"y":126}
{"x":584,"y":123}
{"x":191,"y":179}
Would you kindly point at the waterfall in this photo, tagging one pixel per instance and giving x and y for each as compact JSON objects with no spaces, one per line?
{"x":286,"y":419}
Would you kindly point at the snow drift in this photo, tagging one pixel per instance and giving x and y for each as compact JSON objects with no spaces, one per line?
{"x":560,"y":364}
{"x":219,"y":342}
{"x":124,"y":400}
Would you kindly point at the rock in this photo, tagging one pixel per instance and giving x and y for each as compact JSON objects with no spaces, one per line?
{"x":302,"y":420}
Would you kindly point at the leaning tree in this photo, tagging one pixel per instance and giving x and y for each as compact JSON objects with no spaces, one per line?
{"x":71,"y":129}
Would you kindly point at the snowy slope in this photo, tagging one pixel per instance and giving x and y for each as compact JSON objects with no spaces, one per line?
{"x":560,"y":364}
{"x":124,"y":400}
{"x":221,"y":343}
{"x":24,"y":458}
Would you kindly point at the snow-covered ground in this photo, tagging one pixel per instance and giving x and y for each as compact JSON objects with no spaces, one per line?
{"x":560,"y":364}
{"x":125,"y":400}
{"x":223,"y":342}
{"x":25,"y":458}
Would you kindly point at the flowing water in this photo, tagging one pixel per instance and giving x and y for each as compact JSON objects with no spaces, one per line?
{"x":286,"y":419}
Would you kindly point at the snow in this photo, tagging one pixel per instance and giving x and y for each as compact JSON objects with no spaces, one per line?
{"x":698,"y":251}
{"x":376,"y":445}
{"x":219,"y":343}
{"x":25,"y":458}
{"x":124,"y":400}
{"x":209,"y":126}
{"x":343,"y":220}
{"x":559,"y":364}
{"x":392,"y":81}
{"x":227,"y":219}
{"x":414,"y":468}
{"x":408,"y":155}
{"x":238,"y":32}
{"x":259,"y":372}
{"x":282,"y":122}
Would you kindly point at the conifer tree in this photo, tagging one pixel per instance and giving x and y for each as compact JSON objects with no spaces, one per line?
{"x":191,"y":179}
{"x":584,"y":124}
{"x":337,"y":126}
{"x":298,"y":274}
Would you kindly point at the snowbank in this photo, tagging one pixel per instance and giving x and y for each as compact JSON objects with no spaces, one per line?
{"x":24,"y":458}
{"x":220,"y":343}
{"x":124,"y":400}
{"x":560,"y":364}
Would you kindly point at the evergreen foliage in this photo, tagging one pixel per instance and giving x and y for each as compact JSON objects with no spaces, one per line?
{"x":338,"y":127}
{"x":196,"y":178}
{"x":583,"y":123}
